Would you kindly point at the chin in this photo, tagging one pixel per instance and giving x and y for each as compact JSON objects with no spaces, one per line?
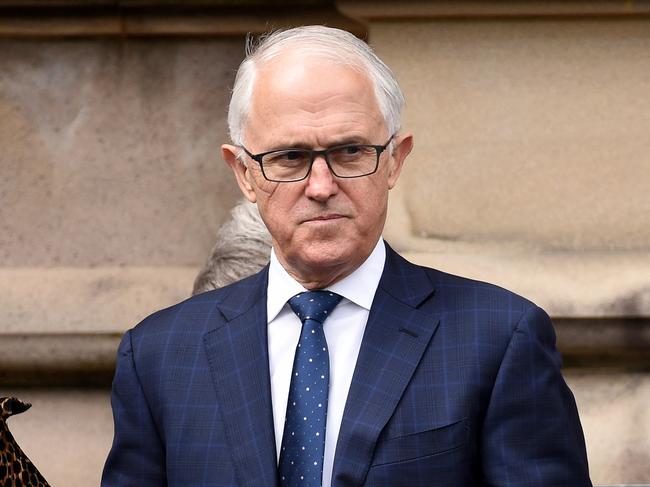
{"x":328,"y":254}
{"x":329,"y":257}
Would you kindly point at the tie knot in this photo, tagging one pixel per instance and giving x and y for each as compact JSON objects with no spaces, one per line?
{"x":314,"y":305}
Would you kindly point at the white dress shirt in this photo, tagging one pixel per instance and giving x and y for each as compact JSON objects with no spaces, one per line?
{"x":343,"y":331}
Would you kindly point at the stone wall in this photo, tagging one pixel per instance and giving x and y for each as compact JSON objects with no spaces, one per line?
{"x":107,"y":145}
{"x":529,"y":170}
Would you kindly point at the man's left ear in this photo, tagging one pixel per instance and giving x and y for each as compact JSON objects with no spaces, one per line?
{"x":401,"y":149}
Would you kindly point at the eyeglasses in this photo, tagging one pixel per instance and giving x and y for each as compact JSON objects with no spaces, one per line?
{"x":345,"y":161}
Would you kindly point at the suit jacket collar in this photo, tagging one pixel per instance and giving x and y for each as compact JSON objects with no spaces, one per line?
{"x":404,"y":281}
{"x":237,"y":353}
{"x":396,"y":336}
{"x":241,"y":296}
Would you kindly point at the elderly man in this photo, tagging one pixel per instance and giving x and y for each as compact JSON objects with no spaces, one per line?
{"x":340,"y":363}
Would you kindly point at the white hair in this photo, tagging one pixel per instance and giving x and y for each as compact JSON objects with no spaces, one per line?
{"x":242,"y":248}
{"x":321,"y":42}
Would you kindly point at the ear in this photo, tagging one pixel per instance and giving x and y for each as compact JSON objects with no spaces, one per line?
{"x":229,"y":154}
{"x":401,"y":149}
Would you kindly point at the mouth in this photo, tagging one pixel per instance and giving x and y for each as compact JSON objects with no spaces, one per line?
{"x":324,"y":218}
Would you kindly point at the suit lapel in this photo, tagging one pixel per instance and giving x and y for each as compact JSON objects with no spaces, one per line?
{"x":396,"y":336}
{"x":237,"y":352}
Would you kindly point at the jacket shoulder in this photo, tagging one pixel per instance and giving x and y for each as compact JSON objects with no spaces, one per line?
{"x":455,"y":290}
{"x":484,"y":306}
{"x":450,"y":284}
{"x":195,"y":312}
{"x":444,"y":281}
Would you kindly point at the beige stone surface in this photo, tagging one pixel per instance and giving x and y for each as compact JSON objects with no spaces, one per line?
{"x":68,"y":432}
{"x":616,"y":420}
{"x":566,"y":284}
{"x":109,"y":150}
{"x":58,"y":359}
{"x":91,"y":300}
{"x":531,"y":131}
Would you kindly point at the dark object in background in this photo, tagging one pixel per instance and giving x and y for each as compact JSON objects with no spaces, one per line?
{"x":15,"y":467}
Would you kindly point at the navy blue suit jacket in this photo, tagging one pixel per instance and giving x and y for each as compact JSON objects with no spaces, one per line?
{"x":457,"y":384}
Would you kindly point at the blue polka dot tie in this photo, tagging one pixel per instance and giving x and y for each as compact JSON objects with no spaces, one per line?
{"x":303,"y":440}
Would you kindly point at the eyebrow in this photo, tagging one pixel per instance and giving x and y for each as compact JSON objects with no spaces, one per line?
{"x":335,"y":143}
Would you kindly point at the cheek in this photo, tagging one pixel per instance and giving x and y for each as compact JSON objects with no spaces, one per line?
{"x":375,"y":208}
{"x":373,"y":200}
{"x":277,"y":204}
{"x":262,"y":186}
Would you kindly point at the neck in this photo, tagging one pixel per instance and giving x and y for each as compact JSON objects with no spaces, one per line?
{"x":314,"y":282}
{"x":320,"y":278}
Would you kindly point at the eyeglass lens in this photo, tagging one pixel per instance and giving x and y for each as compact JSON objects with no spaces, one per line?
{"x":294,"y":164}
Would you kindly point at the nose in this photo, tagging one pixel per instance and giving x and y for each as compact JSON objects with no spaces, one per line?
{"x":321,"y":183}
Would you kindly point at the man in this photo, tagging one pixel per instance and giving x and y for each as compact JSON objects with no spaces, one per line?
{"x":340,"y":363}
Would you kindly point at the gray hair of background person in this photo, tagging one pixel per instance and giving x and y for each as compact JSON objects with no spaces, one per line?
{"x":242,"y":248}
{"x":322,"y":42}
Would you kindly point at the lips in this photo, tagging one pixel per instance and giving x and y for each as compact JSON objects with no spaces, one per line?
{"x":323,"y":218}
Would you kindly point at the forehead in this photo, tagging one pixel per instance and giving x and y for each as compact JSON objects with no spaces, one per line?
{"x":312,"y":99}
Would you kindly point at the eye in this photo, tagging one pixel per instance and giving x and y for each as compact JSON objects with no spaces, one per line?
{"x":351,"y":153}
{"x":286,"y":158}
{"x":293,"y":155}
{"x":351,"y":150}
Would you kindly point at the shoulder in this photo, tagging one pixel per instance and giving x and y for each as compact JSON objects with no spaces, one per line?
{"x":462,"y":300}
{"x":486,"y":303}
{"x":465,"y":291}
{"x":198,"y":313}
{"x":471,"y":311}
{"x":491,"y":312}
{"x":453,"y":289}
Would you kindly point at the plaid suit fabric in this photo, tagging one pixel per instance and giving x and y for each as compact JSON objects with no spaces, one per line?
{"x":169,"y":427}
{"x":457,"y":384}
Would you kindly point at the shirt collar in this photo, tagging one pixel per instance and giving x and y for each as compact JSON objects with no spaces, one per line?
{"x":359,"y":287}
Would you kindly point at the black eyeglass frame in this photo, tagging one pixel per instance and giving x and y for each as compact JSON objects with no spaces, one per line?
{"x":312,"y":157}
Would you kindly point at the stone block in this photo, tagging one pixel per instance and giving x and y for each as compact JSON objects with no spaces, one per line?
{"x":526,"y":130}
{"x":93,"y":300}
{"x":566,"y":284}
{"x":615,"y":419}
{"x":110,"y":150}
